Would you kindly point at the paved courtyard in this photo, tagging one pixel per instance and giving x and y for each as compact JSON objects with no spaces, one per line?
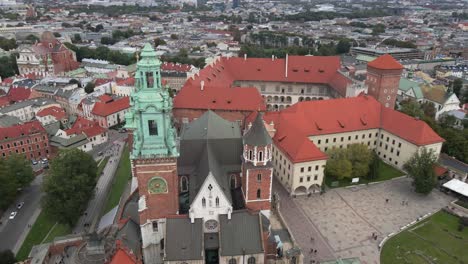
{"x":342,"y":221}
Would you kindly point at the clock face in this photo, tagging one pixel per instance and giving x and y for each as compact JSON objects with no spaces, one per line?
{"x":157,"y":185}
{"x":211,"y":224}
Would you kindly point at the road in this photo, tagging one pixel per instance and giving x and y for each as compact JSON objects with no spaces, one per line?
{"x":11,"y":230}
{"x":95,"y":205}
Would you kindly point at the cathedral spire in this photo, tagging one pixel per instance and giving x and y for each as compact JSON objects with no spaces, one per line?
{"x":150,"y":115}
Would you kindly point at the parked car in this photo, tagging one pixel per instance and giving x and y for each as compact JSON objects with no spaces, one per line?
{"x":34,"y":162}
{"x":20,"y":205}
{"x":12,"y":215}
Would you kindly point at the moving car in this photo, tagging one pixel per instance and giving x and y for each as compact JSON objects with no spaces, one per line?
{"x":12,"y":215}
{"x":20,"y":205}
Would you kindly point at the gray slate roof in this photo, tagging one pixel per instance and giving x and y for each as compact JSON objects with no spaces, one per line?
{"x":242,"y":234}
{"x":453,"y":163}
{"x":31,"y":102}
{"x":8,"y":121}
{"x":184,"y":240}
{"x":72,"y":142}
{"x":210,"y":144}
{"x":257,"y":134}
{"x":130,"y":236}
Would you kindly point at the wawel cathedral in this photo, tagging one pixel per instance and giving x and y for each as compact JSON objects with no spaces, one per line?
{"x":205,"y":196}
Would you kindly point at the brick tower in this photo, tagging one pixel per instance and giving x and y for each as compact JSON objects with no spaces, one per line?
{"x":383,"y":79}
{"x":257,"y":170}
{"x":154,"y":153}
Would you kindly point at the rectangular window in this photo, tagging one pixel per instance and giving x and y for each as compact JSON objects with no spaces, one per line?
{"x":309,"y":168}
{"x":386,"y":147}
{"x":380,"y":144}
{"x":308,"y":178}
{"x":155,"y":226}
{"x":391,"y":150}
{"x":381,"y":136}
{"x":393,"y":142}
{"x":301,"y":179}
{"x":302,"y":169}
{"x":398,"y":153}
{"x":363,"y":136}
{"x":349,"y":137}
{"x":376,"y":134}
{"x":319,"y":141}
{"x":342,"y":138}
{"x":316,"y":167}
{"x":399,"y":145}
{"x":326,"y":148}
{"x":388,"y":139}
{"x":370,"y":135}
{"x":152,"y":127}
{"x":334,"y":139}
{"x":326,"y":140}
{"x":315,"y":177}
{"x":259,"y":177}
{"x":356,"y":137}
{"x":396,"y":162}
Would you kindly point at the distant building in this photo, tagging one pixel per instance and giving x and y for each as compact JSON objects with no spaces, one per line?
{"x":48,"y":57}
{"x":235,"y":3}
{"x":110,"y":111}
{"x":28,"y":139}
{"x":397,"y":53}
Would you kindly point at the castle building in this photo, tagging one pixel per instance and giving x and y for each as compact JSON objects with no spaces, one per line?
{"x":47,"y":57}
{"x":303,"y":133}
{"x":202,"y":199}
{"x":383,"y":79}
{"x":236,"y":87}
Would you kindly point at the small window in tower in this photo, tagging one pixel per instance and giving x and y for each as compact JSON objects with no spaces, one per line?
{"x":259,"y":177}
{"x":260,"y":156}
{"x":149,"y":80}
{"x":183,"y":184}
{"x":258,"y":194}
{"x":250,"y":154}
{"x":153,"y":127}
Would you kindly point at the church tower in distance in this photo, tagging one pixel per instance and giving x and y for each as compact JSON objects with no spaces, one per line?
{"x":153,"y":154}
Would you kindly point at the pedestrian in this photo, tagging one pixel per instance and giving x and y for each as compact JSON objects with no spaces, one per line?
{"x":311,"y":250}
{"x":311,"y":239}
{"x":386,"y":200}
{"x":407,"y":202}
{"x":315,"y":251}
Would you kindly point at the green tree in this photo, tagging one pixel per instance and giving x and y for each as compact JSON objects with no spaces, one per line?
{"x":15,"y":172}
{"x":107,"y":41}
{"x":420,"y":167}
{"x":76,"y":38}
{"x":411,"y":108}
{"x":75,"y":81}
{"x":8,"y":66}
{"x":89,"y":88}
{"x":7,"y":257}
{"x":338,"y":166}
{"x":360,"y":157}
{"x":428,"y":109}
{"x":457,"y":87}
{"x":378,"y":29}
{"x":174,"y":36}
{"x":19,"y":167}
{"x":343,"y":46}
{"x":374,"y":167}
{"x":57,"y":35}
{"x":159,"y":41}
{"x":32,"y":38}
{"x":69,"y":185}
{"x":8,"y":44}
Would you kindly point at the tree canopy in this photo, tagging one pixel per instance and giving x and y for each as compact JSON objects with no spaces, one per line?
{"x":69,"y":185}
{"x":420,"y":167}
{"x":15,"y":172}
{"x":7,"y":257}
{"x":8,"y":66}
{"x":353,"y":161}
{"x":89,"y":88}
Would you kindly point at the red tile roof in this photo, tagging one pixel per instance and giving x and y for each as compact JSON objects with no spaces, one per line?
{"x":126,"y":82}
{"x":99,"y":81}
{"x":295,"y":124}
{"x":16,"y":94}
{"x":170,"y":66}
{"x":219,"y":78}
{"x":105,"y":98}
{"x":439,"y":170}
{"x":4,"y":101}
{"x":88,"y":127}
{"x":54,"y":111}
{"x":105,"y":109}
{"x":385,"y":62}
{"x":123,"y":257}
{"x":27,"y":128}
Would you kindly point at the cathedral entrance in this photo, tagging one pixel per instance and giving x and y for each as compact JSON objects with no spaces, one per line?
{"x":211,"y":256}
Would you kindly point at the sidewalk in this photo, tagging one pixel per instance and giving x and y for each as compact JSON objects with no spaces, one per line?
{"x":25,"y":233}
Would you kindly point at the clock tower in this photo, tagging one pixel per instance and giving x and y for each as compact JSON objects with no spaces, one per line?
{"x":153,"y":153}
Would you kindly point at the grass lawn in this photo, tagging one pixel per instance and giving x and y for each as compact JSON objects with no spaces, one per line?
{"x":123,"y":175}
{"x":434,"y":240}
{"x":386,"y":172}
{"x":40,"y":232}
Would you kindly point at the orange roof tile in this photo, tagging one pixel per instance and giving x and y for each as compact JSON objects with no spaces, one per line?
{"x":108,"y":108}
{"x":123,"y":257}
{"x":15,"y":131}
{"x":385,"y":62}
{"x":54,"y":111}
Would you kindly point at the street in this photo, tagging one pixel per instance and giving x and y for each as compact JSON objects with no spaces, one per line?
{"x":12,"y":229}
{"x":104,"y":183}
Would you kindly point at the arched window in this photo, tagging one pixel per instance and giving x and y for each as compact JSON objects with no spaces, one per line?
{"x":233,"y":181}
{"x":251,"y":260}
{"x":250,"y":154}
{"x":183,"y":184}
{"x":260,"y":156}
{"x":232,"y":261}
{"x":203,"y":202}
{"x":258,"y":193}
{"x":217,"y":201}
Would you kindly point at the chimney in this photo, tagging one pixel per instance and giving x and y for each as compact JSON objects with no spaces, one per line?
{"x":245,"y":56}
{"x":202,"y":85}
{"x":286,"y":69}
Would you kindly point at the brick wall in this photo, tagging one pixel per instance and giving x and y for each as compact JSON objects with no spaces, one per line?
{"x":252,"y":186}
{"x":33,"y":146}
{"x":383,"y":85}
